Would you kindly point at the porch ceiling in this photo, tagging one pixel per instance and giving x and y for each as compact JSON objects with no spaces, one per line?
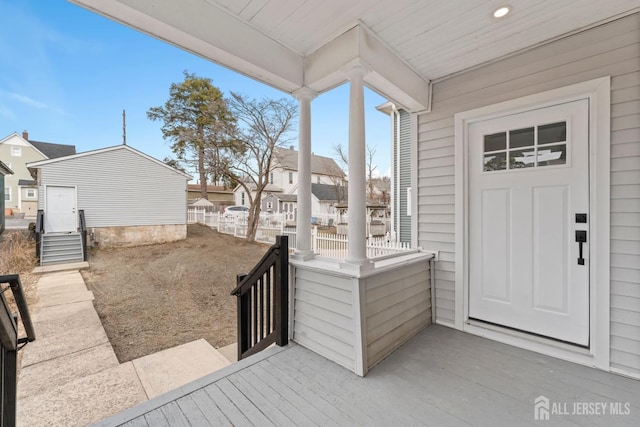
{"x":289,"y":44}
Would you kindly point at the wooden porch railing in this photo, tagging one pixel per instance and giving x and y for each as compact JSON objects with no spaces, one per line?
{"x":10,"y":344}
{"x":263,"y":301}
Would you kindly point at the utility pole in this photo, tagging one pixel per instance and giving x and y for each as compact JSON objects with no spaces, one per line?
{"x":124,"y":127}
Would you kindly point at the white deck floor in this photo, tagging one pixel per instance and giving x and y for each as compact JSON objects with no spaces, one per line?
{"x":442,"y":377}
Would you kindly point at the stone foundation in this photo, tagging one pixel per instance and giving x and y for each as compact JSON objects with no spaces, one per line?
{"x":110,"y":237}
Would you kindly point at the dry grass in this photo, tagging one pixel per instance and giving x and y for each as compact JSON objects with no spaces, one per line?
{"x":18,"y":256}
{"x":150,"y":298}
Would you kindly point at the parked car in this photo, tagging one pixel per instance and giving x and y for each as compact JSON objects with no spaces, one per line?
{"x":235,"y":211}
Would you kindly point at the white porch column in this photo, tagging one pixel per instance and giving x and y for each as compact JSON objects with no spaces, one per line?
{"x":303,"y":221}
{"x":357,"y":198}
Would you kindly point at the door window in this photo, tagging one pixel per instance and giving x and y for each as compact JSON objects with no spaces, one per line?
{"x":530,"y":147}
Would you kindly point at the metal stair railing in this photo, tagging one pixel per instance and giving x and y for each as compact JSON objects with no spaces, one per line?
{"x":83,"y":233}
{"x":263,"y":301}
{"x":10,"y":344}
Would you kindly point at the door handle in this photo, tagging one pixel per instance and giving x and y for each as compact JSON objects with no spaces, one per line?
{"x":581,"y":237}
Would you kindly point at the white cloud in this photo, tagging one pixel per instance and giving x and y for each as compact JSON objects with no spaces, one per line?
{"x":28,"y":101}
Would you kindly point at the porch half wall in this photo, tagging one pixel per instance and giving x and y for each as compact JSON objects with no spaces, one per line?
{"x":612,"y":49}
{"x":356,"y":320}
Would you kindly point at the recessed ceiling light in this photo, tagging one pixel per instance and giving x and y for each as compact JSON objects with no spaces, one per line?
{"x":501,"y":12}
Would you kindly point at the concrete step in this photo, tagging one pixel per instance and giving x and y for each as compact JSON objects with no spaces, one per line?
{"x":60,"y":280}
{"x":169,"y":369}
{"x":68,"y":267}
{"x":38,"y":378}
{"x":230,"y":352}
{"x":62,"y":330}
{"x":67,"y":297}
{"x":83,"y":401}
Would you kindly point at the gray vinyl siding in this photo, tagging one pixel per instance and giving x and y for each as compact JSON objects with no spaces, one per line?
{"x":611,"y":49}
{"x":404,"y":174}
{"x":398,"y":305}
{"x":120,"y":188}
{"x":395,"y":195}
{"x":323,"y":313}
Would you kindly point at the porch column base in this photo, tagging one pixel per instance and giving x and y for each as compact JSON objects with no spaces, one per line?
{"x":358,"y":267}
{"x":303,"y":255}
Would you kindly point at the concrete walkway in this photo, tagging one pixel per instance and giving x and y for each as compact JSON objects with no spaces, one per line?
{"x":70,"y":375}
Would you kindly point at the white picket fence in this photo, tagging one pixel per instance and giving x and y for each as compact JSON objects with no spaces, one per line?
{"x":337,"y":245}
{"x":269,"y":226}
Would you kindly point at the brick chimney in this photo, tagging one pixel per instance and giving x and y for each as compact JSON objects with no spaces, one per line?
{"x":25,"y":135}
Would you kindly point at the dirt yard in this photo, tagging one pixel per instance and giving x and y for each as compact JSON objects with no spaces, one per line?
{"x":154,"y":297}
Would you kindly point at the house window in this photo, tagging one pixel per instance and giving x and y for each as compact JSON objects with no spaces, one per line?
{"x":271,"y":178}
{"x":269,"y":205}
{"x":290,"y":177}
{"x":16,"y":151}
{"x":242,"y":198}
{"x":31,"y":193}
{"x":7,"y":194}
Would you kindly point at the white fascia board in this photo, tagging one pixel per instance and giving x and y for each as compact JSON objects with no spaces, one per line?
{"x":390,"y":75}
{"x":324,"y":68}
{"x":387,"y":73}
{"x":210,"y":32}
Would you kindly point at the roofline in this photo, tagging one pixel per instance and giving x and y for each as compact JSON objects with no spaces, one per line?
{"x":51,"y":143}
{"x":2,"y":141}
{"x":209,"y":190}
{"x":5,"y":169}
{"x":105,"y":150}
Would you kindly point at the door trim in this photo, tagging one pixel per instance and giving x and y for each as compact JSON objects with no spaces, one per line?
{"x":598,"y":93}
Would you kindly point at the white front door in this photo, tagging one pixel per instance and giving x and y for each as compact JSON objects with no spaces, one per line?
{"x":529,"y":202}
{"x":60,"y":210}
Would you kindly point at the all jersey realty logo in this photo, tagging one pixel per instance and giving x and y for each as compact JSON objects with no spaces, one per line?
{"x":543,"y":408}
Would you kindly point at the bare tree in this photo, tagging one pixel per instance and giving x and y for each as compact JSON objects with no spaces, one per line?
{"x":371,"y":168}
{"x":341,"y":155}
{"x":264,"y":126}
{"x":343,"y":158}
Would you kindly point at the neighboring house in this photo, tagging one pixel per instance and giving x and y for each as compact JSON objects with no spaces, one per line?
{"x":21,"y":191}
{"x":242,"y":199}
{"x":525,"y":134}
{"x":324,"y":170}
{"x":402,"y":172}
{"x":117,"y":188}
{"x":219,"y":196}
{"x":4,"y":170}
{"x":201,"y":203}
{"x":283,"y":177}
{"x":279,"y":203}
{"x":324,"y":199}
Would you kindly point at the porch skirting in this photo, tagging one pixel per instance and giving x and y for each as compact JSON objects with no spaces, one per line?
{"x":357,"y":318}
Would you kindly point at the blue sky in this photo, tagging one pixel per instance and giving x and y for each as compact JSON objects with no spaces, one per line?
{"x":67,"y":74}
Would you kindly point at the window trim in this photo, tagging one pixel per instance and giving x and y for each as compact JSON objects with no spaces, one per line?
{"x":16,"y":149}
